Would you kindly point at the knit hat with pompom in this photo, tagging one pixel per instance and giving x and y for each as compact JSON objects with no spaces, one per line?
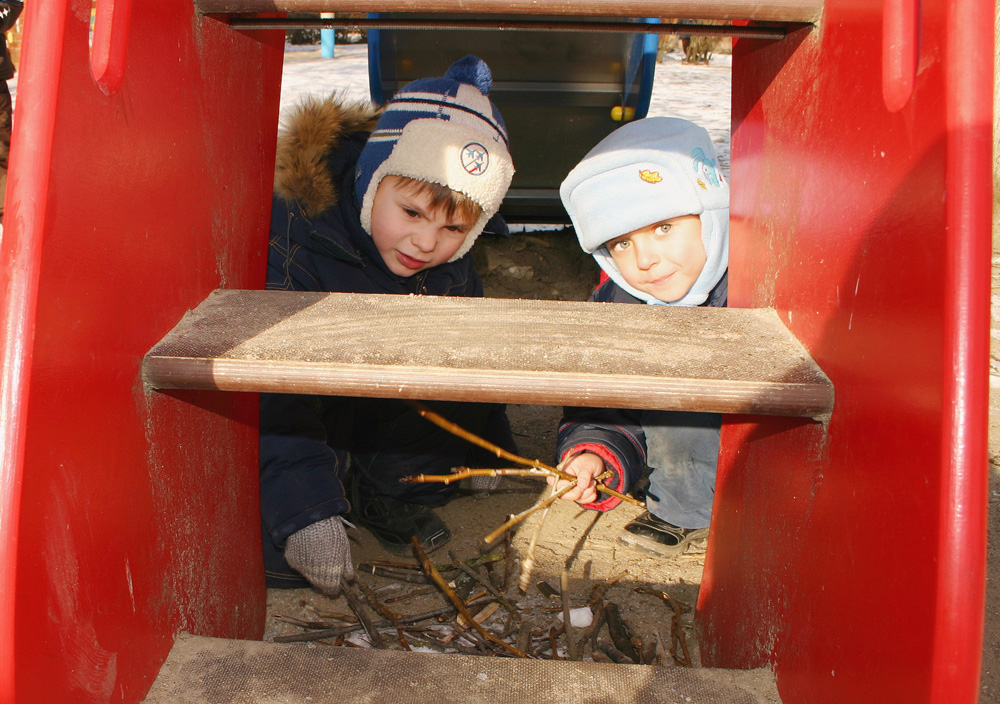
{"x":441,"y":130}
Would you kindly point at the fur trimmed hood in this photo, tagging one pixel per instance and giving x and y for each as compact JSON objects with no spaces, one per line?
{"x":309,"y":133}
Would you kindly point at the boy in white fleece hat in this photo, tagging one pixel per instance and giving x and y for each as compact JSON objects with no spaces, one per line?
{"x":650,"y":203}
{"x":389,"y":210}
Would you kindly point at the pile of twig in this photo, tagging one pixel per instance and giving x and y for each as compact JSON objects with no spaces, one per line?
{"x":476,"y":590}
{"x":480,"y":619}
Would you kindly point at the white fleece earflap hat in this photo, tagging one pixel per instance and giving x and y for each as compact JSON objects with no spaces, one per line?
{"x":441,"y":130}
{"x":643,"y":173}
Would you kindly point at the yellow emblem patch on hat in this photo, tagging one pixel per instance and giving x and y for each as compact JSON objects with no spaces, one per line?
{"x":650,"y":176}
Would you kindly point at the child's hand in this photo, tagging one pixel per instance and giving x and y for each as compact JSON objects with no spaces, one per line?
{"x":584,"y":467}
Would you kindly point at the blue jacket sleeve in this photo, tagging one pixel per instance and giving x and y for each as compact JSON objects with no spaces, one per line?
{"x":300,"y":472}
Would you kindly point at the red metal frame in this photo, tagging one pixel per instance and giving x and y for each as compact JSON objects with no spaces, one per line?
{"x":136,"y":188}
{"x":850,"y":555}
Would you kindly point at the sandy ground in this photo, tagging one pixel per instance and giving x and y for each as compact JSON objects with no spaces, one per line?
{"x":549,"y":266}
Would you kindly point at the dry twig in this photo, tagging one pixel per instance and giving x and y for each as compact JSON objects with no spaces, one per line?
{"x":461,"y":432}
{"x":459,"y":604}
{"x":528,"y":564}
{"x":514,"y":520}
{"x":591,"y":631}
{"x":616,"y":655}
{"x":350,"y":628}
{"x":619,"y":632}
{"x":567,"y":625}
{"x":553,"y":632}
{"x":411,"y":595}
{"x":386,"y":613}
{"x":486,"y":583}
{"x":358,"y":607}
{"x":598,"y":592}
{"x":460,"y":473}
{"x":678,"y":639}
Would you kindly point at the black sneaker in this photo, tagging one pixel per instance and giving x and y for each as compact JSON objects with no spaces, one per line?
{"x":395,"y":522}
{"x":649,"y":535}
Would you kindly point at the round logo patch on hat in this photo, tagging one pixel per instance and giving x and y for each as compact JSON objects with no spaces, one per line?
{"x":475,"y":158}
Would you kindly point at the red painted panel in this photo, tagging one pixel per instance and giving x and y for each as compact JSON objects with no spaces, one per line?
{"x":851,"y":555}
{"x":126,"y":515}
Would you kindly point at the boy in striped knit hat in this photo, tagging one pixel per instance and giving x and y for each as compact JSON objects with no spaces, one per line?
{"x":394,"y":209}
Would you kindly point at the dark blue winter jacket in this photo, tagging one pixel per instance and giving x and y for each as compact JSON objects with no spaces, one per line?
{"x":317,"y":244}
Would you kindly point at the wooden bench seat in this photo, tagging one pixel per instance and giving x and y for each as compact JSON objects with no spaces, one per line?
{"x":725,"y":360}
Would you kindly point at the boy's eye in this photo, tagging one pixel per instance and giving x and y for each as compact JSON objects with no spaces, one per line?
{"x":411,"y":212}
{"x":455,"y":228}
{"x":620,"y":246}
{"x":664,"y":228}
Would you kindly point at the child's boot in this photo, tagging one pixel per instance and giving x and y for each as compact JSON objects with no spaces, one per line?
{"x":395,"y":522}
{"x":649,"y":535}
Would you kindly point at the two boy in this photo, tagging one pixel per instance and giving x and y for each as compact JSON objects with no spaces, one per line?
{"x":396,"y":209}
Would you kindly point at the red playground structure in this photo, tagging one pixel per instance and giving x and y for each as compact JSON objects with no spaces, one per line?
{"x":848,"y":546}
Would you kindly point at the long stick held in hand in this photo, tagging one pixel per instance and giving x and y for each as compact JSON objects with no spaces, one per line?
{"x":454,"y":429}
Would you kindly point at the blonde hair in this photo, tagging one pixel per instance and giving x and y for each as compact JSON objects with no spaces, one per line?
{"x":451,"y":202}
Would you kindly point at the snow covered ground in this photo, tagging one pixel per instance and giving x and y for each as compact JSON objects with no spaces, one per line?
{"x":697,"y":93}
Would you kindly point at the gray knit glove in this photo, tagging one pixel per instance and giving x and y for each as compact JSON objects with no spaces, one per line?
{"x":320,"y":553}
{"x":483,"y":486}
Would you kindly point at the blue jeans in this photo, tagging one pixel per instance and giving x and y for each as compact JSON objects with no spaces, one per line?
{"x":682,"y":453}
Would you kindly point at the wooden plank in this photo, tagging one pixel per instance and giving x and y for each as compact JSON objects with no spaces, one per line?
{"x":202,"y":669}
{"x":509,"y":23}
{"x":775,"y":10}
{"x":481,"y":349}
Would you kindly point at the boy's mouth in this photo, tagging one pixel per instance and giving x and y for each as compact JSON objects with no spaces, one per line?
{"x":409,"y":262}
{"x":662,"y":280}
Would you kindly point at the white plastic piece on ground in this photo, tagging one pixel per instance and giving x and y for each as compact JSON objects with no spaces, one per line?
{"x":580,"y":618}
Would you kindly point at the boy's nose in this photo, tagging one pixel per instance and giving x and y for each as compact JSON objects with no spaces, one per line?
{"x":645,"y":256}
{"x":424,"y":239}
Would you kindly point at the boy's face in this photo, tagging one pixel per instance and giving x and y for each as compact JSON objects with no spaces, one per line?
{"x":409,"y":233}
{"x":663,"y":259}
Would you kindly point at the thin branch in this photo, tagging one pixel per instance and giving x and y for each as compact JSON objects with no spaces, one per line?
{"x":528,"y":564}
{"x":552,"y":644}
{"x":514,"y":520}
{"x":598,"y":592}
{"x":461,"y":432}
{"x":359,"y":609}
{"x":386,"y":613}
{"x":411,"y":594}
{"x":459,"y":604}
{"x":618,"y":630}
{"x":567,"y":625}
{"x":487,"y":584}
{"x":677,"y":637}
{"x":398,"y":575}
{"x":343,"y":630}
{"x":466,"y":472}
